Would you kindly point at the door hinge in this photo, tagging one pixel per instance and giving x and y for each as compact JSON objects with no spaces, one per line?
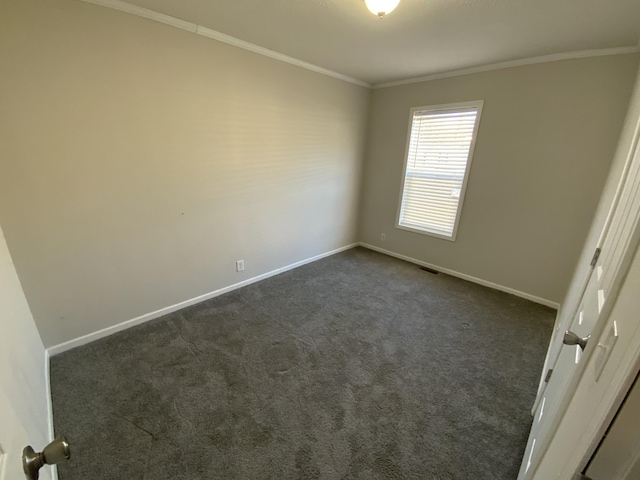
{"x":596,"y":256}
{"x":549,"y":373}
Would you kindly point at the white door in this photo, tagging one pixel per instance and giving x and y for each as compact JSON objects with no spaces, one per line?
{"x":12,"y":434}
{"x":595,"y":400}
{"x":609,"y":267}
{"x":564,"y":370}
{"x":24,"y":402}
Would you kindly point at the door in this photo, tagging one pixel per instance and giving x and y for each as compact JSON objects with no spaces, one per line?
{"x":608,"y":270}
{"x":24,"y":400}
{"x":565,"y":368}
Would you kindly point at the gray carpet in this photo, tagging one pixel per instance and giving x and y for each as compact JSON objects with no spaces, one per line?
{"x":358,"y":366}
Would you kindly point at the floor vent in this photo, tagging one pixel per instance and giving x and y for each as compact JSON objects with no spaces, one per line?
{"x":430,"y":270}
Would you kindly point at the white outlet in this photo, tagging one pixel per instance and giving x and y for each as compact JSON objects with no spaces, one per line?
{"x":383,"y":237}
{"x":239,"y":265}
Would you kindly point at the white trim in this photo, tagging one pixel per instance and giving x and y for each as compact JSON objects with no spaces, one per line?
{"x":513,"y":63}
{"x":542,"y":384}
{"x":145,"y":13}
{"x":105,"y":332}
{"x":252,"y":47}
{"x":464,"y":276}
{"x":53,"y":469}
{"x":417,"y":230}
{"x":221,"y":37}
{"x":477,"y":104}
{"x":228,"y":39}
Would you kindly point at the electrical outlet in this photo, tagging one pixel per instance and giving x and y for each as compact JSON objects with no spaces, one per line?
{"x":383,"y":237}
{"x":239,"y":265}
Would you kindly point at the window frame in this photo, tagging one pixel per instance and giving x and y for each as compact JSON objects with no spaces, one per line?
{"x":478,"y":104}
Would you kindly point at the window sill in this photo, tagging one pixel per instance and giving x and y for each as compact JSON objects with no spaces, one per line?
{"x":451,"y":238}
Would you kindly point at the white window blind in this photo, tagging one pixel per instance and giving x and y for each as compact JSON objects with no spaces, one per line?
{"x":438,"y":158}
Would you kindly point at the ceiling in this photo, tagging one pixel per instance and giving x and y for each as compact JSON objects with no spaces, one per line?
{"x":421,"y":37}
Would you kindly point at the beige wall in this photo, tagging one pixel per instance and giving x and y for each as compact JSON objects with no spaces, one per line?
{"x":138,"y":162}
{"x":546,"y":141}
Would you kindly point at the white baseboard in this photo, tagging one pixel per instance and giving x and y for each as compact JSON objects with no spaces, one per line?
{"x":105,"y":332}
{"x":464,"y":276}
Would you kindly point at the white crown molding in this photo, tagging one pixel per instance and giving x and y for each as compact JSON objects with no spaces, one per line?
{"x":252,"y":47}
{"x":221,"y":37}
{"x":513,"y":63}
{"x":145,"y":13}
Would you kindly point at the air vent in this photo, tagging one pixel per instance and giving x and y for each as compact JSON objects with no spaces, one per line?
{"x":430,"y":270}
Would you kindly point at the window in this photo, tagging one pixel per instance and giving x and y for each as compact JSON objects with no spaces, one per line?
{"x":439,"y":152}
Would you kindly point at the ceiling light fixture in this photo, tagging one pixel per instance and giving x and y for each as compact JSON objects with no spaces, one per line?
{"x":381,"y":7}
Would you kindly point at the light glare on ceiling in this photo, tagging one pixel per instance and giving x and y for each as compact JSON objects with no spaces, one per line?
{"x":381,"y":7}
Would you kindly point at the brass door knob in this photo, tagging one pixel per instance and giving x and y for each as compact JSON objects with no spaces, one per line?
{"x":54,"y":453}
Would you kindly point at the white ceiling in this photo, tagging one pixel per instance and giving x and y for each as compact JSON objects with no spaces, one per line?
{"x":421,"y":37}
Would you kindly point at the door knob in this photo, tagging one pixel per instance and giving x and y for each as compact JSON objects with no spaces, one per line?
{"x":55,"y":452}
{"x":571,"y":338}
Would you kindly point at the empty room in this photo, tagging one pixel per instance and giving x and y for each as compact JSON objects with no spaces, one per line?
{"x":319,"y":239}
